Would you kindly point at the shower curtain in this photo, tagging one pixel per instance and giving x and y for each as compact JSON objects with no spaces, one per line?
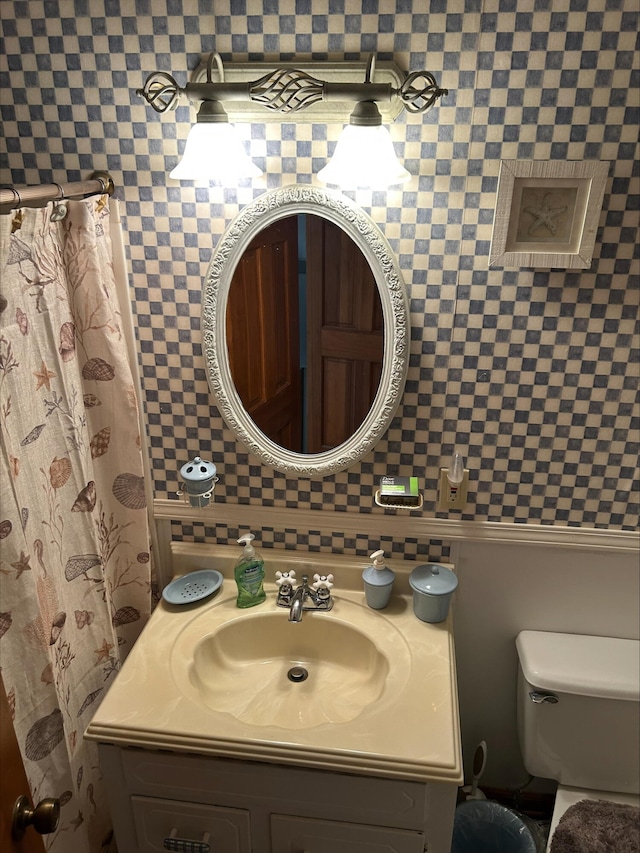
{"x":74,"y":550}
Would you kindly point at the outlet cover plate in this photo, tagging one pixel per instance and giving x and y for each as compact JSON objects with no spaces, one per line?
{"x":452,"y":497}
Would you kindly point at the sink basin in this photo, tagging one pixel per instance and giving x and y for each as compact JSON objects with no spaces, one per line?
{"x":243,"y":669}
{"x":267,"y":671}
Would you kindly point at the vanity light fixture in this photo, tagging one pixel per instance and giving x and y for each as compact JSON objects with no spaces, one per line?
{"x":213,"y":149}
{"x":364,"y":155}
{"x":288,"y":91}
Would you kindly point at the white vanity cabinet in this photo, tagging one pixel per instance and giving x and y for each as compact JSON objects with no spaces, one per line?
{"x":207,"y":746}
{"x":163,"y":800}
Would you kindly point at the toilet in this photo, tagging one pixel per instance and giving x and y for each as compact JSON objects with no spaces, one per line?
{"x":579,"y":715}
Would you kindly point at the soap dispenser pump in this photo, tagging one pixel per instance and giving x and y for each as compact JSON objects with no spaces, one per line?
{"x":378,"y":581}
{"x":249,"y":574}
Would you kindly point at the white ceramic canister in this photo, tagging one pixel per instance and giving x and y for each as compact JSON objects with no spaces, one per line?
{"x":432,"y":585}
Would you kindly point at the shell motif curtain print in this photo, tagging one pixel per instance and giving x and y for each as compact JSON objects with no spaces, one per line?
{"x":74,"y":552}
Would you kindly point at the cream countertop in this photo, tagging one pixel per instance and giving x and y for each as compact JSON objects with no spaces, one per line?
{"x":411,"y":731}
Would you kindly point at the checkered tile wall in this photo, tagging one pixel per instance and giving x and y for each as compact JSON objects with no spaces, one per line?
{"x":532,"y":375}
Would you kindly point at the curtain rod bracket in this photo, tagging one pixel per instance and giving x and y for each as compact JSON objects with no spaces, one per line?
{"x":108,"y":185}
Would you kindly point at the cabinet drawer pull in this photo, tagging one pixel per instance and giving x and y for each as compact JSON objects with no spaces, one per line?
{"x":185,"y":845}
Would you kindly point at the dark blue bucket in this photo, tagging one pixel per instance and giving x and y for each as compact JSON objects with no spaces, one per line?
{"x":482,"y":826}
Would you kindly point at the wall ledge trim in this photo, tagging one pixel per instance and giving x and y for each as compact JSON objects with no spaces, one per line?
{"x":398,"y":525}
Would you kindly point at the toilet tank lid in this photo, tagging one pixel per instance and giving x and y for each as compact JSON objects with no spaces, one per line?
{"x":603,"y":667}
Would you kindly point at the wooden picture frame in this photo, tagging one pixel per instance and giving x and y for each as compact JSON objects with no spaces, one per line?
{"x":547,"y":213}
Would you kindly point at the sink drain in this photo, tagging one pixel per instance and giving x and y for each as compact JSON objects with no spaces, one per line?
{"x":297,"y":674}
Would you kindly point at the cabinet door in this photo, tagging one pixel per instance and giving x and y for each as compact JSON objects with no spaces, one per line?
{"x":300,"y":835}
{"x":222,"y":829}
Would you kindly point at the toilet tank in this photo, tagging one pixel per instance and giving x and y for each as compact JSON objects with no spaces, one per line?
{"x":581,"y":725}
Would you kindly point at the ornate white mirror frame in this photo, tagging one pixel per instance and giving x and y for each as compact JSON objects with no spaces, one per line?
{"x":273,"y":205}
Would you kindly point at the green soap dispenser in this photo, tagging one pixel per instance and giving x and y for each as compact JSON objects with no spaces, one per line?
{"x":249,"y":574}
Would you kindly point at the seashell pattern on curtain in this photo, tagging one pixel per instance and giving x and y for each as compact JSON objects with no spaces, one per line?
{"x":75,"y":572}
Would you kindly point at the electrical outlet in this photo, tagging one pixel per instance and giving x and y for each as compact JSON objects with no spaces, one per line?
{"x":452,"y":497}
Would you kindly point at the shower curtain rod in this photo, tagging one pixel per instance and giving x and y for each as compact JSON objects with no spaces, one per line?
{"x":38,"y":196}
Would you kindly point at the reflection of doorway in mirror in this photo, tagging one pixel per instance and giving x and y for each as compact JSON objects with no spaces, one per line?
{"x":345,"y":336}
{"x":305,"y":333}
{"x":262,"y":333}
{"x":546,"y":215}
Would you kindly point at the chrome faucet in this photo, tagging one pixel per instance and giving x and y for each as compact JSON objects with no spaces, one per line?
{"x":298,"y":599}
{"x":304,"y":597}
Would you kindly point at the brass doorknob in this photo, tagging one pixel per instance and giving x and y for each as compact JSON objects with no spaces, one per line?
{"x":44,"y":818}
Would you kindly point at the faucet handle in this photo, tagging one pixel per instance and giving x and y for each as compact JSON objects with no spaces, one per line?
{"x":322,"y":582}
{"x":286,"y":578}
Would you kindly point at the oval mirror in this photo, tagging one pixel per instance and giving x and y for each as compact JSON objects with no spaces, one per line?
{"x":306,"y":299}
{"x":305,"y":330}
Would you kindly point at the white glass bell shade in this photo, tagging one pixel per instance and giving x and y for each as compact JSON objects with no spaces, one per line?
{"x":214,"y":152}
{"x":364,"y":157}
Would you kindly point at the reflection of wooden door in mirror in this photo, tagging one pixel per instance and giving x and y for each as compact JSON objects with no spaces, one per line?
{"x":345,"y":337}
{"x":262,"y":333}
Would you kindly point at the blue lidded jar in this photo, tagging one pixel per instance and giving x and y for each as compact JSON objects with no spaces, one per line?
{"x":433,"y":586}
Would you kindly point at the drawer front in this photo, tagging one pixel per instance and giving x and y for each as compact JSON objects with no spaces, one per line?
{"x":163,"y":825}
{"x":299,"y":835}
{"x":317,"y":793}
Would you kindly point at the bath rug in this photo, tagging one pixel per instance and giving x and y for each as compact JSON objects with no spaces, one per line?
{"x":598,"y":826}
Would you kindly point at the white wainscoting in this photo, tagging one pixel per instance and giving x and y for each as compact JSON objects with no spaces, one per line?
{"x":506,"y":588}
{"x":398,"y":524}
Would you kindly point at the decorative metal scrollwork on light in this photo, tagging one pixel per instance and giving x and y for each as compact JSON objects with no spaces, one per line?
{"x":161,"y":92}
{"x":289,"y":89}
{"x":418,"y":98}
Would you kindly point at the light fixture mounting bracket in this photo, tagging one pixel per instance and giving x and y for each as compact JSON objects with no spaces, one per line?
{"x":322,"y":92}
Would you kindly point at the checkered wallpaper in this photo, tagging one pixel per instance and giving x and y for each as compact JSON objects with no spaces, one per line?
{"x":532,"y":375}
{"x":288,"y":538}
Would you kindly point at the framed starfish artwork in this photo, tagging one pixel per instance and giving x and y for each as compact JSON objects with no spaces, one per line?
{"x":547,"y":213}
